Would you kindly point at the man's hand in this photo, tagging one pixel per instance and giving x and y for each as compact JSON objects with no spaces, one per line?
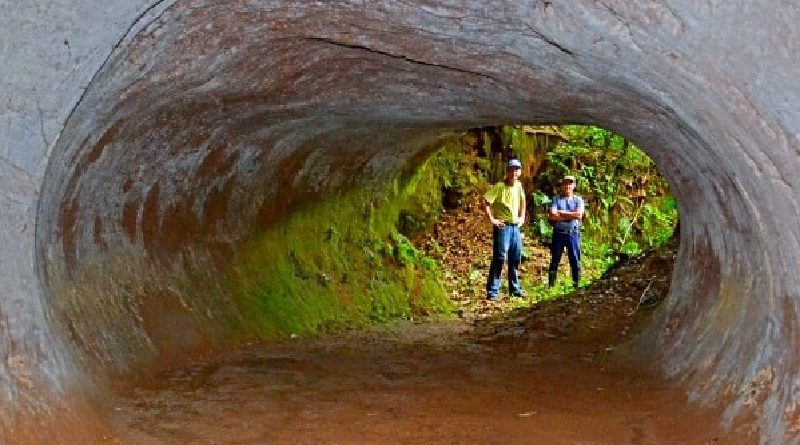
{"x":498,"y":222}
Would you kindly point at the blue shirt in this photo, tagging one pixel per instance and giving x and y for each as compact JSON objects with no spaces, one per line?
{"x":569,"y":204}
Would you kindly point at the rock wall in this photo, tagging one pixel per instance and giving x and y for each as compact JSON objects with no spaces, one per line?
{"x":144,"y":143}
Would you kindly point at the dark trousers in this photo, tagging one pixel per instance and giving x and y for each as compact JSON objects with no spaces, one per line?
{"x":572,"y":242}
{"x":506,"y":245}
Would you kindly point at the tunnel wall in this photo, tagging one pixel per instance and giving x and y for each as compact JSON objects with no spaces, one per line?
{"x":50,"y":52}
{"x":146,"y":143}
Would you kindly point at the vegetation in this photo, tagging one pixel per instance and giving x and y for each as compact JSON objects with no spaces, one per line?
{"x":443,"y":181}
{"x":341,"y":262}
{"x":628,"y":205}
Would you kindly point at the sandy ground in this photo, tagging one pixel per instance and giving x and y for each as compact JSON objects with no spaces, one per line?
{"x":426,"y":383}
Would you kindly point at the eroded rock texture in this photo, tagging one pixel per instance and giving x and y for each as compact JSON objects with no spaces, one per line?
{"x":144,"y":143}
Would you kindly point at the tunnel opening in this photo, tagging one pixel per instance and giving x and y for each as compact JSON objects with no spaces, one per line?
{"x":375,"y":365}
{"x":288,"y":281}
{"x":628,"y":207}
{"x":317,"y":262}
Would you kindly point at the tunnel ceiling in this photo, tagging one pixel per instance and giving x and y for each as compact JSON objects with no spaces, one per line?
{"x":214,"y":119}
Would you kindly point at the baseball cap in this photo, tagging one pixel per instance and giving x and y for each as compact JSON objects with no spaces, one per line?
{"x":569,"y":178}
{"x":514,"y":163}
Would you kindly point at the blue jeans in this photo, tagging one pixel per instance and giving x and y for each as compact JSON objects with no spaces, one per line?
{"x":572,"y":241}
{"x":506,"y":245}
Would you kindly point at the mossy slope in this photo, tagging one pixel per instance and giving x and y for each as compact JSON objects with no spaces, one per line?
{"x":340,"y":262}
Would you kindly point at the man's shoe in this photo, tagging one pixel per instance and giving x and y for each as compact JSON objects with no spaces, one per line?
{"x":519,"y":294}
{"x":492,"y":297}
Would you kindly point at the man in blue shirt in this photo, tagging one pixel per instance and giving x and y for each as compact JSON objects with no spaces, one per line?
{"x":565,"y":215}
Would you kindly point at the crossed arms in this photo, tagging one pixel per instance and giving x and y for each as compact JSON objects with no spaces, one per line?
{"x":564,"y":215}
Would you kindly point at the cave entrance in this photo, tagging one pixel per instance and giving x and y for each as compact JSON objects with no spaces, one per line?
{"x":520,"y":373}
{"x":628,"y":210}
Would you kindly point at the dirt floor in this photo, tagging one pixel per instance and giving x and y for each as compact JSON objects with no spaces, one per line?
{"x":429,"y":383}
{"x":559,"y":372}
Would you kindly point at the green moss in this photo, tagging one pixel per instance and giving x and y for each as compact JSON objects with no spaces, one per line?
{"x":339,"y":263}
{"x":524,"y":146}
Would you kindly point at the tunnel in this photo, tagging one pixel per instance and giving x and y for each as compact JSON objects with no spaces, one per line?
{"x":146,"y":143}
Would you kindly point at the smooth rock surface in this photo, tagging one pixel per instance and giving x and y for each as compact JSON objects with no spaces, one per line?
{"x":145,"y":142}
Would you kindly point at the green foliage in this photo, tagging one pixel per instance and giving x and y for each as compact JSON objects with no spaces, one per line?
{"x":541,"y":201}
{"x":449,"y":174}
{"x":415,"y":222}
{"x":302,"y":277}
{"x":521,"y":144}
{"x":627,"y":202}
{"x":538,"y":291}
{"x":596,"y":257}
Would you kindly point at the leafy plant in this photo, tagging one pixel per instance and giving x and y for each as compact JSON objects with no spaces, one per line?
{"x":628,"y":205}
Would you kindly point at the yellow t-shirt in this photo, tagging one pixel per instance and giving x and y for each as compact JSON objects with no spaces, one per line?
{"x":505,"y":200}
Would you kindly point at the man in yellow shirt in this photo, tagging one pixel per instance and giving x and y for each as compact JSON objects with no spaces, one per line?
{"x":505,"y":206}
